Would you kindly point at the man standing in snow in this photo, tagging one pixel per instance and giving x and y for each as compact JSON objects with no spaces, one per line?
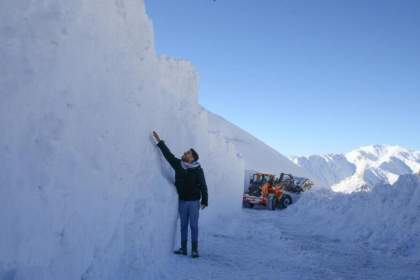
{"x":191,"y":186}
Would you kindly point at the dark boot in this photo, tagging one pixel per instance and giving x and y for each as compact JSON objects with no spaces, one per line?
{"x":182,"y":250}
{"x":194,"y":249}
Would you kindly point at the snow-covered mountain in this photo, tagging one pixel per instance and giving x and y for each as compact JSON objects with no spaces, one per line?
{"x":361,"y":168}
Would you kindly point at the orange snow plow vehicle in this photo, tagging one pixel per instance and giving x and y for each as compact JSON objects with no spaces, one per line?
{"x":273,"y":192}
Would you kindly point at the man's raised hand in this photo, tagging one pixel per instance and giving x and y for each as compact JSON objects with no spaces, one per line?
{"x":156,"y":136}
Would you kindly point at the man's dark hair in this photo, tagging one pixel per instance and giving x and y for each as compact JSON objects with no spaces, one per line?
{"x":194,"y":154}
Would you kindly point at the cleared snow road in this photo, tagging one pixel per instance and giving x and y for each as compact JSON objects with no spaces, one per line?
{"x":262,"y":244}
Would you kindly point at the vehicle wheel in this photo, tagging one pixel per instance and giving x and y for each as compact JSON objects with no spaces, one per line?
{"x":285,"y":201}
{"x":246,"y":204}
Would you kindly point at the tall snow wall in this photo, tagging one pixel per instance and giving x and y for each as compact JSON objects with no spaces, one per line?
{"x":85,"y":194}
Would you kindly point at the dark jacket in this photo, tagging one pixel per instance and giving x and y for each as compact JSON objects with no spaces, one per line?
{"x":190,"y":183}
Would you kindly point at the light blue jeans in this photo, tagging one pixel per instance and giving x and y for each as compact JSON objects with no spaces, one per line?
{"x":189,"y":212}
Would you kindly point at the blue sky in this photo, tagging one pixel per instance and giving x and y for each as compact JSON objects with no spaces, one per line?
{"x":306,"y":77}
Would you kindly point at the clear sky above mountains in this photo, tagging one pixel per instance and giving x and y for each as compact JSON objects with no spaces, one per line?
{"x":306,"y":77}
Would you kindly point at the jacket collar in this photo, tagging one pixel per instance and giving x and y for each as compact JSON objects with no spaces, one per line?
{"x":187,"y":165}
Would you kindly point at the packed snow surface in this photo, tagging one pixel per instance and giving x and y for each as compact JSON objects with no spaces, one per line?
{"x":85,"y":193}
{"x":362,"y":168}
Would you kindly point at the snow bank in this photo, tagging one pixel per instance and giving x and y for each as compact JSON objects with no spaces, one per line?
{"x":386,"y":218}
{"x":84,"y":192}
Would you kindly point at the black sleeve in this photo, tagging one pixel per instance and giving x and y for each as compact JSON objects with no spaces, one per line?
{"x":203,"y":188}
{"x":169,"y":156}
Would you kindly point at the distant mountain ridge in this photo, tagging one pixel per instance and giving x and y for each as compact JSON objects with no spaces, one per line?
{"x":361,"y":168}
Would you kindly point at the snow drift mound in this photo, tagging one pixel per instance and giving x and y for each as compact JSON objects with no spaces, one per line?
{"x":366,"y":166}
{"x":85,"y":194}
{"x":386,"y":218}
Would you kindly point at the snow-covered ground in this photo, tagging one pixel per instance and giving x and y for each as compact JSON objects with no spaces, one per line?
{"x":327,"y":235}
{"x":271,"y":245}
{"x":361,"y":168}
{"x":85,"y":194}
{"x":385,"y":217}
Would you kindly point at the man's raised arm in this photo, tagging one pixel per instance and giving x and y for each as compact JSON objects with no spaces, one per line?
{"x":169,"y":156}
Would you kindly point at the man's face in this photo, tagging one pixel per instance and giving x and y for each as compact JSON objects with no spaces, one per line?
{"x":187,"y":156}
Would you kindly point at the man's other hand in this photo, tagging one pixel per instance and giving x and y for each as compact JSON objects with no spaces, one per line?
{"x":156,"y":136}
{"x":203,"y":206}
